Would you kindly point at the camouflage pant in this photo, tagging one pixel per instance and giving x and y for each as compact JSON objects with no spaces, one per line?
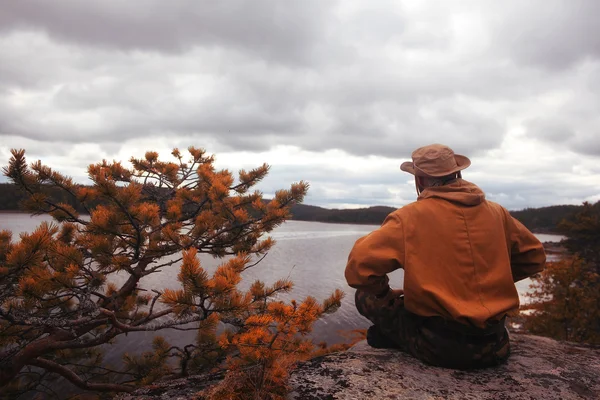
{"x":431,"y":341}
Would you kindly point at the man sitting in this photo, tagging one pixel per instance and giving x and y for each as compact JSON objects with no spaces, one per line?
{"x":461,"y":255}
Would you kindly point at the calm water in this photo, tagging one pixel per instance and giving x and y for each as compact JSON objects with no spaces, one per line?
{"x":313,"y":255}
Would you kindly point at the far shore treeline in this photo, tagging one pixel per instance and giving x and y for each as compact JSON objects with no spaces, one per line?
{"x":539,"y":220}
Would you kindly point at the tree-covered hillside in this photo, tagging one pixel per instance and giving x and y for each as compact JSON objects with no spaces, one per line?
{"x":541,"y":220}
{"x":371,"y":215}
{"x":545,"y":219}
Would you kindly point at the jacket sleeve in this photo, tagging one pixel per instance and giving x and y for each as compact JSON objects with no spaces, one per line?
{"x":527,"y":255}
{"x":375,"y":255}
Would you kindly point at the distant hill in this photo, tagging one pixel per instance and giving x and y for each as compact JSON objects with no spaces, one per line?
{"x":370,"y":216}
{"x":541,"y":220}
{"x":545,"y":219}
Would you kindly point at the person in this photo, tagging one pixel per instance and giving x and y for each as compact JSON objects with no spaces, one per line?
{"x":461,"y":256}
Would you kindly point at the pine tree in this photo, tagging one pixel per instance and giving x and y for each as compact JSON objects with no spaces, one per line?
{"x":566,"y":296}
{"x":583,"y":235}
{"x":58,"y":303}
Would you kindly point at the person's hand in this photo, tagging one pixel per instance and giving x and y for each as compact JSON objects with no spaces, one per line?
{"x":392,"y":294}
{"x":396,"y":293}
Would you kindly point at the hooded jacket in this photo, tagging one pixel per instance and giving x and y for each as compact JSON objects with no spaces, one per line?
{"x":461,"y":255}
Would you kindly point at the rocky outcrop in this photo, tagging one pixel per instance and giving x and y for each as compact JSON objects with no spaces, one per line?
{"x":539,"y":368}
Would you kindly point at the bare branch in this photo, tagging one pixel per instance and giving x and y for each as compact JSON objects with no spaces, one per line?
{"x":133,"y":328}
{"x":76,"y":380}
{"x":256,"y":263}
{"x":166,"y":264}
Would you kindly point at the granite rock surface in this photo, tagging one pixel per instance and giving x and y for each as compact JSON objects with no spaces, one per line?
{"x":539,"y":368}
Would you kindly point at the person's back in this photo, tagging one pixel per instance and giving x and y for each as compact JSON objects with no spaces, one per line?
{"x":461,"y":254}
{"x":458,"y":248}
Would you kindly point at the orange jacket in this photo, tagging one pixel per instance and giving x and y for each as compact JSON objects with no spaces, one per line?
{"x":461,"y":255}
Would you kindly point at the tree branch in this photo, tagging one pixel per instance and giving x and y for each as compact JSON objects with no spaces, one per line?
{"x":133,"y":328}
{"x":76,"y":379}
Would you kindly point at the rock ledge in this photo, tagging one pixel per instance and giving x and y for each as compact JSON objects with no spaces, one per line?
{"x":539,"y":368}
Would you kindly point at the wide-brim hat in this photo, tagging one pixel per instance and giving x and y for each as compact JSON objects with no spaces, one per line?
{"x":435,"y":160}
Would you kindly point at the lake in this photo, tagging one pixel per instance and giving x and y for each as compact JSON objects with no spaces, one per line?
{"x":312,"y":254}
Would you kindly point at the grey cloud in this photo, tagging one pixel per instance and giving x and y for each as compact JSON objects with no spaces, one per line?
{"x":330,"y":185}
{"x":575,"y":125}
{"x":239,"y":75}
{"x":254,"y":107}
{"x":271,"y":29}
{"x":538,"y":193}
{"x":319,"y":173}
{"x":560,"y":179}
{"x":550,"y":130}
{"x":372,"y":106}
{"x":394,"y":130}
{"x":550,"y":34}
{"x":585,"y":146}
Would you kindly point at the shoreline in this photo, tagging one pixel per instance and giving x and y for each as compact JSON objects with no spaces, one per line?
{"x":535,"y":231}
{"x":554,"y":248}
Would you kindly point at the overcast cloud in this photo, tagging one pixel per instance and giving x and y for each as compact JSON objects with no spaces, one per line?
{"x":335,"y":93}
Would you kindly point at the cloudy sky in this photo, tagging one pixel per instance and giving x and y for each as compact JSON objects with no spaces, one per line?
{"x":337,"y":93}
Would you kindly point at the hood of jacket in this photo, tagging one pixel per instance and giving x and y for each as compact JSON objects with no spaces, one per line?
{"x":459,"y":191}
